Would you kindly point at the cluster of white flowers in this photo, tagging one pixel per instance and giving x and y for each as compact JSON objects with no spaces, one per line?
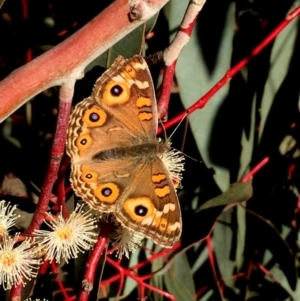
{"x":68,"y":236}
{"x":19,"y":260}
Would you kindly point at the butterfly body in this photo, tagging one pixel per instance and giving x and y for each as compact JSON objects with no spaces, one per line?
{"x":117,"y":163}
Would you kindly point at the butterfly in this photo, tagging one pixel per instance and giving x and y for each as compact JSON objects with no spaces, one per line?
{"x":117,"y":164}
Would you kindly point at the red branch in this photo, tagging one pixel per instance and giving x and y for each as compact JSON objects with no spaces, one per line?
{"x":137,"y":279}
{"x":164,"y":98}
{"x":213,"y":264}
{"x":164,"y":253}
{"x":16,"y":292}
{"x":68,"y":59}
{"x":255,"y":170}
{"x":187,"y":29}
{"x":233,"y":71}
{"x":61,"y":189}
{"x":92,"y":263}
{"x":57,"y":151}
{"x":267,"y":273}
{"x":59,"y":282}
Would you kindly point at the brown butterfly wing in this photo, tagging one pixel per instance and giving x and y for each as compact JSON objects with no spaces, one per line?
{"x":121,"y":115}
{"x":92,"y":130}
{"x":150,"y":205}
{"x":126,"y":92}
{"x":101,"y":184}
{"x":107,"y":121}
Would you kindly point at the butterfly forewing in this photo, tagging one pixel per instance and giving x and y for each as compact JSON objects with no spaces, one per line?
{"x":126,"y":91}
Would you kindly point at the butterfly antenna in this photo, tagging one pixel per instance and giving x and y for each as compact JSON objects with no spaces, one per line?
{"x":186,"y":124}
{"x":183,"y":118}
{"x":187,"y":156}
{"x":164,"y":130}
{"x":183,"y":142}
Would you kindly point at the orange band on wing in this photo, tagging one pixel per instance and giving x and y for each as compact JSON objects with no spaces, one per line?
{"x":145,"y":116}
{"x":162,"y":192}
{"x":143,"y":102}
{"x":158,"y":178}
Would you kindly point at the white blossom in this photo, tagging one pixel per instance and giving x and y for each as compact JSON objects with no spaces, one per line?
{"x":17,"y":261}
{"x":127,"y":241}
{"x":68,"y":237}
{"x":7,"y":217}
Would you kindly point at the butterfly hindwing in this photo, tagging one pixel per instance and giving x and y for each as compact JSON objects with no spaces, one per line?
{"x":151,"y":206}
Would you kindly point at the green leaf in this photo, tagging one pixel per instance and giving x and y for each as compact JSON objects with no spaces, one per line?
{"x":130,"y":284}
{"x":237,"y":193}
{"x":132,"y":44}
{"x":179,"y":280}
{"x":157,"y":279}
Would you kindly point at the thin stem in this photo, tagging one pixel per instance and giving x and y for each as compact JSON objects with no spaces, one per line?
{"x":171,"y":53}
{"x":255,"y":170}
{"x":57,"y":150}
{"x":59,"y":282}
{"x":199,"y":104}
{"x":92,"y":263}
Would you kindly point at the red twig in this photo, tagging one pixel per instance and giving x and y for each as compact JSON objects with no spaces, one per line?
{"x":233,"y":71}
{"x":255,"y":170}
{"x":163,"y":253}
{"x":72,"y":55}
{"x":137,"y":279}
{"x":44,"y":267}
{"x":164,"y":98}
{"x":59,"y":282}
{"x":155,"y":256}
{"x":57,"y":151}
{"x":267,"y":273}
{"x":172,"y":52}
{"x":201,"y":291}
{"x":61,"y":191}
{"x":91,"y":265}
{"x":16,"y":292}
{"x":213,"y":264}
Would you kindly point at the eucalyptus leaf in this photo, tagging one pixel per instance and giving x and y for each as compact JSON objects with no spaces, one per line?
{"x":270,"y":238}
{"x":202,"y":221}
{"x":157,"y":279}
{"x":237,"y":193}
{"x":126,"y":47}
{"x":132,"y":44}
{"x":179,"y":280}
{"x":130,"y":284}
